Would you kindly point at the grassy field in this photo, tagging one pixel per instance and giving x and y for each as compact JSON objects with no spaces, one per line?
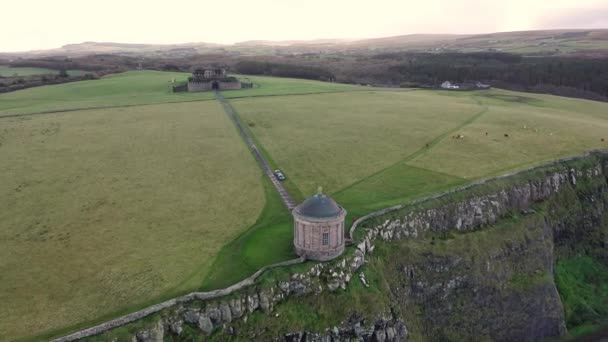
{"x":6,"y":71}
{"x":539,"y":128}
{"x":113,"y":208}
{"x":376,"y":149}
{"x":107,"y":210}
{"x":335,"y":140}
{"x":141,"y":87}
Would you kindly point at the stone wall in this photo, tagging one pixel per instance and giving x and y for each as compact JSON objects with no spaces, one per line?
{"x":437,"y":285}
{"x":194,"y":296}
{"x":207,"y":86}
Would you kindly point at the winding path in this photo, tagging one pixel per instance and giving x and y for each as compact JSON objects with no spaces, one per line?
{"x":289,"y":202}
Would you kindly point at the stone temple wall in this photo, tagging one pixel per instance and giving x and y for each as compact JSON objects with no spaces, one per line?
{"x":308,"y":237}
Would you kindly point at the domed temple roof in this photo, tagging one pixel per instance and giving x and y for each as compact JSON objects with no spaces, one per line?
{"x":319,"y":206}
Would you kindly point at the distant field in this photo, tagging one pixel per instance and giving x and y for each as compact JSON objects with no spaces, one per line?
{"x":6,"y":71}
{"x":141,"y":87}
{"x":106,"y":210}
{"x":131,"y":88}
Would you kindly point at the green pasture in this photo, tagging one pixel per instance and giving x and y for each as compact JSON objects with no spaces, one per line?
{"x":335,"y":140}
{"x":376,"y":149}
{"x":139,"y":88}
{"x":105,"y":211}
{"x":149,"y":193}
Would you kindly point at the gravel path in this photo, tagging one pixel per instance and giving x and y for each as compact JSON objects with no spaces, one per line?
{"x":285,"y":196}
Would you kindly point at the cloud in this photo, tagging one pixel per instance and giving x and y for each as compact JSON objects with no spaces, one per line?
{"x":584,"y":18}
{"x":59,"y":22}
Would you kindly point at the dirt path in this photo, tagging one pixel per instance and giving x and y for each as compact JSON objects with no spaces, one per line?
{"x":289,"y":202}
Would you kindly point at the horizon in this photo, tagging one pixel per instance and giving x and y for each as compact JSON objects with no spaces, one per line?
{"x":308,"y":40}
{"x":138,"y":22}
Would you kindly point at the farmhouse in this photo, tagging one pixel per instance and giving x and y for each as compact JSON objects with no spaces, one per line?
{"x":319,"y":228}
{"x":449,"y":85}
{"x":212,"y":79}
{"x":476,"y":85}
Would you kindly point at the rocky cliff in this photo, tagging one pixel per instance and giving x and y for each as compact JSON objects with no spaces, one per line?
{"x":474,"y":264}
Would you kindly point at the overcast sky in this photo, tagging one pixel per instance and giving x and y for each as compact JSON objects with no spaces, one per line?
{"x":43,"y":24}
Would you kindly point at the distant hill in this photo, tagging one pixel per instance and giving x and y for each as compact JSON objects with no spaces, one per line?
{"x":542,"y":42}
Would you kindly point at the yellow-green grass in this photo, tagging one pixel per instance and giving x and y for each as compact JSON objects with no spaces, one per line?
{"x":105,"y":211}
{"x":265,"y":86}
{"x":376,"y":149}
{"x":539,"y":128}
{"x":267,"y":242}
{"x":130,"y":88}
{"x":143,"y":87}
{"x":335,"y":140}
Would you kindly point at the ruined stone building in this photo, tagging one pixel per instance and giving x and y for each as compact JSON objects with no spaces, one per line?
{"x":212,"y":79}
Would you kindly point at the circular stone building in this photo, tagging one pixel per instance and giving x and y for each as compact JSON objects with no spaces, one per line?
{"x":319,"y":228}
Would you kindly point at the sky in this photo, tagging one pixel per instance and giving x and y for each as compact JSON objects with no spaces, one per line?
{"x":44,"y":24}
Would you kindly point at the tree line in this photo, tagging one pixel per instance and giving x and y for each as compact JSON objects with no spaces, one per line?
{"x":568,"y":76}
{"x":583,"y":77}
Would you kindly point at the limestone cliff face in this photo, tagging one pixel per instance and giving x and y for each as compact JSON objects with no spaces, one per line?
{"x":475,"y":264}
{"x":487,"y":271}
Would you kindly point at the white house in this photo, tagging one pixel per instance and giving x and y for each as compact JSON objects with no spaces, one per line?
{"x":449,"y":85}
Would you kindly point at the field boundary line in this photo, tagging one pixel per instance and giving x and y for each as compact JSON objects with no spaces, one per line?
{"x":58,"y":111}
{"x":388,"y":90}
{"x":423,"y":149}
{"x":67,"y":110}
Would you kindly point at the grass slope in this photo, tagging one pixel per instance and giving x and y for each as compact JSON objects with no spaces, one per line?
{"x":583,"y":285}
{"x":109,"y":210}
{"x":267,"y":242}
